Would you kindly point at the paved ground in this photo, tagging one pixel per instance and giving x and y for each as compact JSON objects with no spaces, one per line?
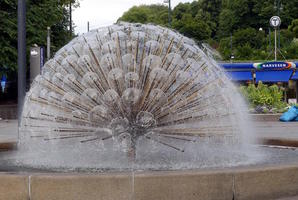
{"x":289,"y":198}
{"x":276,"y":129}
{"x":264,"y":129}
{"x":8,"y":130}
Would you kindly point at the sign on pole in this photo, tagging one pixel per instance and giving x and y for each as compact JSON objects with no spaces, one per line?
{"x":275,"y":21}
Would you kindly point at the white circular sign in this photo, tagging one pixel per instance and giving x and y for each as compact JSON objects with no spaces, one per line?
{"x":275,"y":21}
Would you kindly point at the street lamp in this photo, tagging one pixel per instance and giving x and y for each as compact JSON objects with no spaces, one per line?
{"x":170,"y":18}
{"x":231,"y":46}
{"x":232,"y":57}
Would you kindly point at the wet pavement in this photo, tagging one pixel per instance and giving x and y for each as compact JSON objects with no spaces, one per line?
{"x":276,"y":129}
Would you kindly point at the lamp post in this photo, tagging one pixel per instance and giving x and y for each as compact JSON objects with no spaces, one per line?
{"x":231,"y":46}
{"x":170,"y":11}
{"x":21,"y":56}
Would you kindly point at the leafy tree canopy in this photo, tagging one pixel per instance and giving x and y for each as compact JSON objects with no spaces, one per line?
{"x":40,"y":15}
{"x":238,"y":27}
{"x":157,"y":14}
{"x":294,"y":27}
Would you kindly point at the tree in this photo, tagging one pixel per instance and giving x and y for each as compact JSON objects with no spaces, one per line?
{"x":294,"y":27}
{"x":180,"y":10}
{"x":185,"y":18}
{"x":8,"y":34}
{"x":194,"y":28}
{"x":40,"y":15}
{"x":211,"y":10}
{"x":216,"y":20}
{"x":157,"y":14}
{"x":226,"y":22}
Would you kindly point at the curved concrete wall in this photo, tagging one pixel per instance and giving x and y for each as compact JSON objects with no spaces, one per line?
{"x":238,"y":184}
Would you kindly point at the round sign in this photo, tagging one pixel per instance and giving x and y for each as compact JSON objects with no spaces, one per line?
{"x":275,"y":21}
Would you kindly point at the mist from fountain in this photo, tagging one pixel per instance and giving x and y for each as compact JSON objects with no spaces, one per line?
{"x":133,"y":96}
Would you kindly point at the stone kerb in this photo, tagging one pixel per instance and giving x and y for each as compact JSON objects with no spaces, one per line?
{"x":238,"y":184}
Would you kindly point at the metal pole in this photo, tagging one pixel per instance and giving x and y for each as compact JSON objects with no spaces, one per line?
{"x":278,"y":7}
{"x":231,"y":44}
{"x":278,"y":14}
{"x":170,"y":17}
{"x":285,"y":93}
{"x":270,"y":40}
{"x":21,"y":56}
{"x":275,"y":45}
{"x":296,"y":91}
{"x":70,"y":20}
{"x":278,"y":37}
{"x":88,"y":27}
{"x":49,"y":43}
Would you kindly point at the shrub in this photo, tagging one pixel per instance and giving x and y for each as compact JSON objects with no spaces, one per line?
{"x":269,"y":97}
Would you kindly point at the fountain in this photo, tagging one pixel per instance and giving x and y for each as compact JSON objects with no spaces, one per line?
{"x":133,"y":98}
{"x":115,"y":89}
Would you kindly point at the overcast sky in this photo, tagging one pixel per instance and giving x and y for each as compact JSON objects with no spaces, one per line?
{"x":106,"y":12}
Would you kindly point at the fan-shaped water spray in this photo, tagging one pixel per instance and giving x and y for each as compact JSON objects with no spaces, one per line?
{"x":139,"y":89}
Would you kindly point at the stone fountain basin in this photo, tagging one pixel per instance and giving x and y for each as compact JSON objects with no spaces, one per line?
{"x":273,"y":177}
{"x":256,"y":182}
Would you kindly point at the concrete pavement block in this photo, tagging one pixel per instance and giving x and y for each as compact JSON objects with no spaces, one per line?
{"x":13,"y":187}
{"x":184,"y":186}
{"x":269,"y":183}
{"x":80,"y":187}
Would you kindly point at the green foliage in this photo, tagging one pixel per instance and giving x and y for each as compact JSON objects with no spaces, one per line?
{"x":194,"y":28}
{"x":291,"y":51}
{"x":190,"y":21}
{"x":243,"y":18}
{"x":251,"y":44}
{"x":157,"y":14}
{"x":226,"y":22}
{"x":8,"y":34}
{"x":40,"y":14}
{"x":217,"y":20}
{"x":294,"y":27}
{"x":47,"y":14}
{"x":264,"y":95}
